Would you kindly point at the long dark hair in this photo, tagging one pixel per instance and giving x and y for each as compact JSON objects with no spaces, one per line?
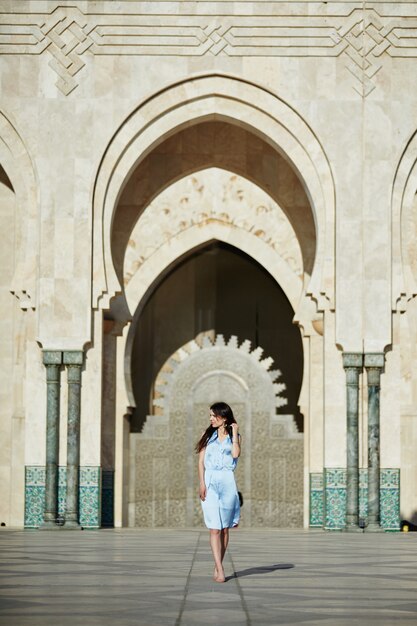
{"x":221,"y":409}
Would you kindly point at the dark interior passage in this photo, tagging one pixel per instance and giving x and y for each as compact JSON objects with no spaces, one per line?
{"x":223,"y":290}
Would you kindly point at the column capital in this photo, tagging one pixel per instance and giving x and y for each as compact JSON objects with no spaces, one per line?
{"x":352,"y":359}
{"x":52,"y":357}
{"x":73,"y":357}
{"x":374,"y":360}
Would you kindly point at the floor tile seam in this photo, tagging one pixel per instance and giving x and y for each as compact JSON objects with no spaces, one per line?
{"x":187,"y":583}
{"x":240,"y":591}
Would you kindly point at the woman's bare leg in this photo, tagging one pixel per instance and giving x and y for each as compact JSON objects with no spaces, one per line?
{"x":216,"y":548}
{"x":224,"y":541}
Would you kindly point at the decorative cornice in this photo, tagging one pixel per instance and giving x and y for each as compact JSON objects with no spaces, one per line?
{"x":67,"y":33}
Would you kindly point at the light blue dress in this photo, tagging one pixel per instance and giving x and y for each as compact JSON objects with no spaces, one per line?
{"x":221,"y":508}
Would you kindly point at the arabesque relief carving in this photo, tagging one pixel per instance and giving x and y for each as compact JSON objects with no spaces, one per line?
{"x":165,"y":464}
{"x":211,"y":195}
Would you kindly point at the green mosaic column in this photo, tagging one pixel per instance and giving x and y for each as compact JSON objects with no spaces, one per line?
{"x":52,"y":360}
{"x":73,"y":361}
{"x":374,"y":364}
{"x":352,"y":362}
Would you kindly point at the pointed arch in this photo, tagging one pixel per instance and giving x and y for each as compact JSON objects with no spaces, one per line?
{"x":213,"y":97}
{"x":404,"y":190}
{"x":21,"y":176}
{"x":193,"y":238}
{"x":152,"y":272}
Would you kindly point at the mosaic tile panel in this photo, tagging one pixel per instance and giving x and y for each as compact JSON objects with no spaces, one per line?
{"x":335,"y":498}
{"x":390,"y":499}
{"x":90,"y":497}
{"x":316,"y":500}
{"x":34,"y":496}
{"x":335,"y":495}
{"x":363,"y":493}
{"x":107,"y":499}
{"x":89,"y":494}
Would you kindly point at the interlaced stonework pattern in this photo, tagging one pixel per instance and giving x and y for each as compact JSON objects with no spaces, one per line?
{"x":194,"y":377}
{"x":69,"y":33}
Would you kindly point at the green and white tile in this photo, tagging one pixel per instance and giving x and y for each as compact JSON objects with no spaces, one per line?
{"x":389,"y":494}
{"x":335,"y":498}
{"x":34,"y":496}
{"x":89,"y":496}
{"x":316,"y":500}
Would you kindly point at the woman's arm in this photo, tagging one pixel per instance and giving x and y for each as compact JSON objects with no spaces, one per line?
{"x":236,"y":441}
{"x":202,"y":488}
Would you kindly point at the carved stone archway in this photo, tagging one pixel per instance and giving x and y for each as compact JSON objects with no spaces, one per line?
{"x":20,"y":173}
{"x":195,"y":101}
{"x":163,"y":463}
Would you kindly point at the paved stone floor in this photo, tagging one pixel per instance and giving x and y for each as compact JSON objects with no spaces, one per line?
{"x":163,"y":577}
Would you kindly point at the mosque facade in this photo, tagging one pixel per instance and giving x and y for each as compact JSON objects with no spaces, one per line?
{"x":205,"y":201}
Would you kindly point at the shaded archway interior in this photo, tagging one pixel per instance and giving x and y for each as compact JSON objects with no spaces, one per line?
{"x":214,"y":144}
{"x":5,"y":179}
{"x":219,"y":289}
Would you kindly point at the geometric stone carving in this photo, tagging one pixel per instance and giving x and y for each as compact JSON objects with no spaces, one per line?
{"x":164,"y":487}
{"x":67,"y":33}
{"x":364,"y":38}
{"x":164,"y":379}
{"x":66,"y":38}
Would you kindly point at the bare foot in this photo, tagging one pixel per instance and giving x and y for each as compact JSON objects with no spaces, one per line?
{"x":219,"y":577}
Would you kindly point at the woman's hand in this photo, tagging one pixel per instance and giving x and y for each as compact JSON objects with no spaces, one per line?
{"x":202,"y":491}
{"x":235,"y":441}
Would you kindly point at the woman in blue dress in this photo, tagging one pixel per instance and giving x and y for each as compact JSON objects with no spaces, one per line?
{"x":219,"y":450}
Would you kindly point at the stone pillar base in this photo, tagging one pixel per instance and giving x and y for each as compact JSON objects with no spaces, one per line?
{"x":353,"y":528}
{"x":71,"y":525}
{"x":374,"y":527}
{"x":49,"y":526}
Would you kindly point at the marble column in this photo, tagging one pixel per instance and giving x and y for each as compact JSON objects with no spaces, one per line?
{"x":52,"y":359}
{"x":73,"y":360}
{"x":352,"y":363}
{"x":374,"y":364}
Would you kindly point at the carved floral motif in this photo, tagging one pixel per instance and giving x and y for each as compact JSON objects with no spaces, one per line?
{"x":211,"y":195}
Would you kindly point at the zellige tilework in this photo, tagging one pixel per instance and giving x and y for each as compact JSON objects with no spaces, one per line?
{"x":316,"y":500}
{"x":89,"y":496}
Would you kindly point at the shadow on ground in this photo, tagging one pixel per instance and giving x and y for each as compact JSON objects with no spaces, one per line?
{"x":261,"y":569}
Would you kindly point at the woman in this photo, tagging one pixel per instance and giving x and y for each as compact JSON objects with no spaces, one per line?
{"x":219,"y":450}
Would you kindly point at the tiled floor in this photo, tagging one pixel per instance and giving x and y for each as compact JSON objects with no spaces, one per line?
{"x":161,"y":577}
